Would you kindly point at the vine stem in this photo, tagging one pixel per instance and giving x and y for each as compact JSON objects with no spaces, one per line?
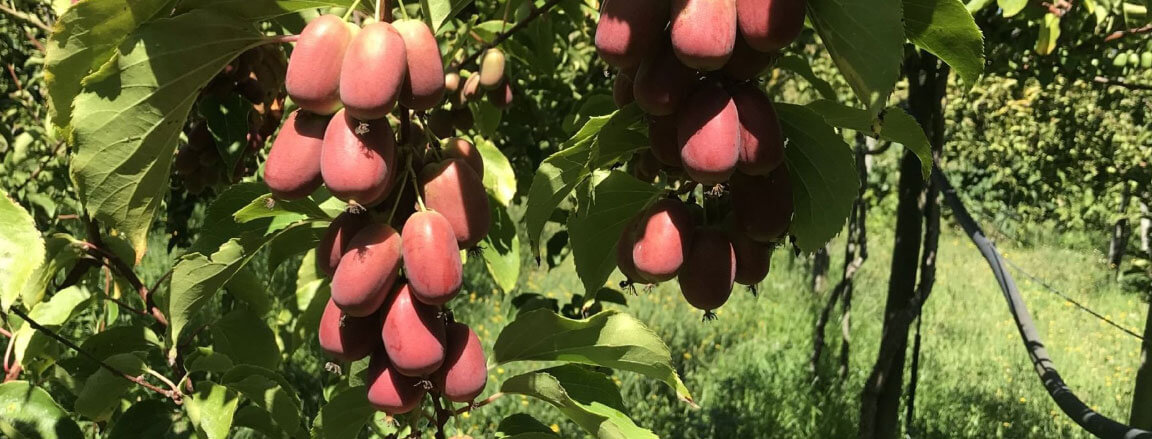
{"x":1123,"y":33}
{"x":174,"y":394}
{"x":483,"y":403}
{"x":536,"y":13}
{"x":29,"y":18}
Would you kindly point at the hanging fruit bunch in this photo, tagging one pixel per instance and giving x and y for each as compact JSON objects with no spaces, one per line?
{"x":692,"y":66}
{"x":414,"y":202}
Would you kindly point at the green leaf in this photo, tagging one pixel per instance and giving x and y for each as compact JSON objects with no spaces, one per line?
{"x":102,"y":390}
{"x":267,"y":206}
{"x":1011,"y":7}
{"x":150,"y":418}
{"x":261,"y":10}
{"x":499,"y":178}
{"x":866,"y":41}
{"x":947,"y":29}
{"x":523,"y":426}
{"x":62,"y":252}
{"x":800,"y":66}
{"x":298,"y":240}
{"x":895,"y":125}
{"x":437,"y":12}
{"x":28,"y":412}
{"x":1049,"y":33}
{"x":589,"y":398}
{"x":52,"y":314}
{"x":82,"y":40}
{"x":609,"y":339}
{"x":246,"y":339}
{"x":344,"y":416}
{"x":196,"y":277}
{"x":114,"y":341}
{"x":822,"y":169}
{"x":501,"y":248}
{"x":269,"y":391}
{"x":211,"y":409}
{"x":130,"y":112}
{"x":561,"y":172}
{"x":595,"y":229}
{"x":21,"y":251}
{"x":219,"y":222}
{"x":207,"y":360}
{"x":227,"y":120}
{"x":255,"y":418}
{"x":245,"y":286}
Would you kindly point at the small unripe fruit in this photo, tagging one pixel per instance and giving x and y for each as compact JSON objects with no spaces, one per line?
{"x":471,"y":89}
{"x":293,"y":167}
{"x":431,"y":258}
{"x":462,"y":119}
{"x":452,"y":82}
{"x":703,"y":32}
{"x":663,"y":237}
{"x":453,"y":189}
{"x":753,"y":259}
{"x":748,"y":63}
{"x":762,"y":205}
{"x":459,"y":148}
{"x":373,"y":72}
{"x":358,"y":158}
{"x":336,"y":239}
{"x":367,"y":270}
{"x":313,"y":77}
{"x":770,"y":25}
{"x":761,"y":140}
{"x":413,"y":334}
{"x":630,"y":30}
{"x":492,"y":68}
{"x":388,"y":390}
{"x":424,"y":83}
{"x":501,"y":96}
{"x":709,"y":135}
{"x":465,"y":370}
{"x":709,"y":271}
{"x":661,"y":83}
{"x":346,"y":338}
{"x":665,"y":144}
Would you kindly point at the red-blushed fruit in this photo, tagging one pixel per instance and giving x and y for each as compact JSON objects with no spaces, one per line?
{"x":761,"y":141}
{"x":358,"y":158}
{"x":501,"y":96}
{"x":335,"y":242}
{"x":388,"y":390}
{"x":748,"y":63}
{"x":462,"y":119}
{"x":373,"y":72}
{"x":492,"y":68}
{"x":453,"y":189}
{"x":346,"y":338}
{"x":753,"y":259}
{"x":661,"y":83}
{"x":645,"y":167}
{"x":629,"y":30}
{"x":313,"y":77}
{"x":665,"y":145}
{"x":465,"y":370}
{"x":709,"y":135}
{"x":440,"y":122}
{"x":367,"y":270}
{"x":622,"y":90}
{"x":424,"y":83}
{"x":471,"y":89}
{"x":293,"y":167}
{"x":460,"y":148}
{"x":431,"y":258}
{"x":762,"y":205}
{"x":413,"y":334}
{"x":663,"y":236}
{"x":624,"y":247}
{"x":709,"y":271}
{"x":770,"y":25}
{"x":703,"y":32}
{"x":452,"y":83}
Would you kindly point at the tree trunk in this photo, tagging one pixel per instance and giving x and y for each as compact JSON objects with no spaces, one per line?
{"x":820,"y":262}
{"x":880,"y":399}
{"x":1141,"y":416}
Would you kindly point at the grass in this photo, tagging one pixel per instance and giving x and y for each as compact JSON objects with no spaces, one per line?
{"x":749,"y":369}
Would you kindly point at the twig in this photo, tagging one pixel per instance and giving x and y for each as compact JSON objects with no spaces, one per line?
{"x":536,"y":13}
{"x":175,"y":395}
{"x":29,"y":18}
{"x":1123,"y":33}
{"x":156,"y":285}
{"x":442,"y":415}
{"x":1119,"y":82}
{"x":483,"y":403}
{"x":97,"y":244}
{"x":43,"y":163}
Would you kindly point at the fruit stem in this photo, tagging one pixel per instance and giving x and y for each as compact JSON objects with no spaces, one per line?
{"x":351,"y":9}
{"x":403,"y":185}
{"x":419,"y":198}
{"x":403,"y":10}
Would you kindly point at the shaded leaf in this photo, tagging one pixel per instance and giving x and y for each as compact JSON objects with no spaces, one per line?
{"x":62,"y":251}
{"x":895,"y":126}
{"x":501,"y":248}
{"x":269,"y":391}
{"x":267,"y":206}
{"x":51,"y":314}
{"x":344,"y":415}
{"x":595,"y":229}
{"x":246,"y":339}
{"x":523,"y":426}
{"x":146,"y":419}
{"x":261,"y":10}
{"x":822,"y":169}
{"x":28,"y":412}
{"x":800,"y":66}
{"x":588,"y":398}
{"x":102,"y":390}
